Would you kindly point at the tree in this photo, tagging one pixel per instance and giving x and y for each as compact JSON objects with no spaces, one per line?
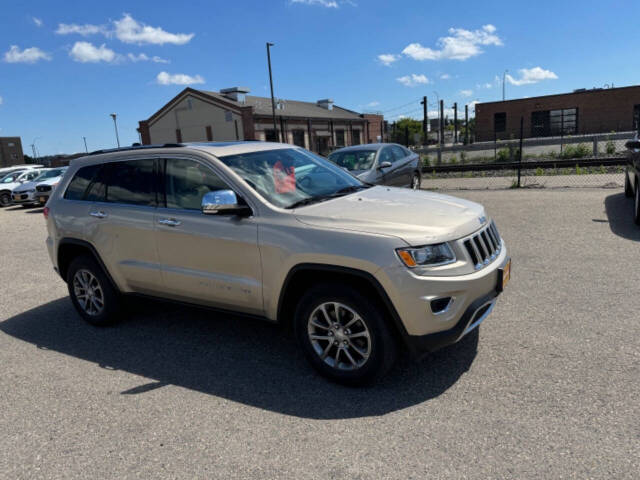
{"x":399,"y":136}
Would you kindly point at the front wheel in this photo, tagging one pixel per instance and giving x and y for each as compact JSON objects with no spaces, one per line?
{"x":343,"y":335}
{"x":5,"y":199}
{"x":415,"y":181}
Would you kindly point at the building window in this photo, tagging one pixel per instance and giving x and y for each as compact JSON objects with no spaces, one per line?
{"x":340,"y":138}
{"x":11,"y":144}
{"x":500,"y":122}
{"x":209,"y":133}
{"x":636,"y":118}
{"x":178,"y":135}
{"x":356,"y":137}
{"x":298,"y":138}
{"x":545,"y":123}
{"x":271,"y":135}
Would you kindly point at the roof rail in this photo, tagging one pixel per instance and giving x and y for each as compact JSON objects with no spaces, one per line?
{"x":136,"y":147}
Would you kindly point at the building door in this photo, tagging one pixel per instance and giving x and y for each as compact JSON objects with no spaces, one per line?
{"x":323,"y":145}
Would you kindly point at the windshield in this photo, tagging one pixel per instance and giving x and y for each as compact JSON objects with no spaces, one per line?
{"x":354,"y":159}
{"x":12,"y":177}
{"x":289,"y":176}
{"x":49,"y":174}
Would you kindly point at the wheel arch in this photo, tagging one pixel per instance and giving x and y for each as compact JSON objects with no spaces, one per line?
{"x":302,"y":276}
{"x":70,"y":248}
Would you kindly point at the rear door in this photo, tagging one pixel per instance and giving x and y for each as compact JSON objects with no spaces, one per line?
{"x":386,"y":175}
{"x":121,"y":223}
{"x":403,"y":164}
{"x":208,"y":259}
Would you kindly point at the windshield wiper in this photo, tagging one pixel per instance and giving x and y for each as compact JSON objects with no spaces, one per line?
{"x":339,"y":193}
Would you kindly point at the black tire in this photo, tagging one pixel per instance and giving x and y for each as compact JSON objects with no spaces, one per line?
{"x":383,"y":349}
{"x":416,"y":181}
{"x":636,"y":204}
{"x":111,"y":301}
{"x":628,"y":191}
{"x":5,"y":199}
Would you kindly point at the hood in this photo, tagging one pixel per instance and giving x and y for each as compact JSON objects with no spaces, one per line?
{"x":418,"y":217}
{"x":49,"y":181}
{"x":25,"y":186}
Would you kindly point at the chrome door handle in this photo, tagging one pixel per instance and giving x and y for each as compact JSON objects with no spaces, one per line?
{"x":170,"y":222}
{"x":98,"y":214}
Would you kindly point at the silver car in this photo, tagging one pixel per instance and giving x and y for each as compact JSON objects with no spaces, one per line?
{"x":276,"y":232}
{"x":13,"y":181}
{"x":381,"y":164}
{"x":26,"y":193}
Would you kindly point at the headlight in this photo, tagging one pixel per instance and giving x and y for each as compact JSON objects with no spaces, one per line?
{"x":429,"y":255}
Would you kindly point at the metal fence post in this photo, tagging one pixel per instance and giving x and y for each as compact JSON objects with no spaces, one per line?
{"x":595,"y":146}
{"x":406,"y":136}
{"x":520,"y":156}
{"x":495,"y":145}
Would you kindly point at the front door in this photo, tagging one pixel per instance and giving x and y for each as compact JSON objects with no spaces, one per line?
{"x":208,"y":259}
{"x":323,"y":146}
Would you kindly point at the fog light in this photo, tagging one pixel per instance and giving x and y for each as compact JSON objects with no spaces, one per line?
{"x":441,"y":305}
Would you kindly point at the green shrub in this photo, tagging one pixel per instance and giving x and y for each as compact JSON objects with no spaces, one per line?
{"x":611,"y":147}
{"x":576,"y":151}
{"x":539,"y":172}
{"x":463,"y":157}
{"x":503,"y":155}
{"x":453,"y":160}
{"x":426,"y":161}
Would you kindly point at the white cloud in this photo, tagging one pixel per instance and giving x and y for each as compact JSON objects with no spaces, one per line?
{"x":460,"y":44}
{"x":128,"y":30}
{"x":531,"y":75}
{"x":413,"y":80}
{"x":375,"y":103}
{"x":165,"y":78}
{"x":445,"y":76}
{"x":1,"y":100}
{"x":143,"y":57}
{"x":85,"y":52}
{"x":388,"y":58}
{"x":84,"y":30}
{"x":321,"y":3}
{"x":28,"y":55}
{"x":37,"y":21}
{"x":466,"y":93}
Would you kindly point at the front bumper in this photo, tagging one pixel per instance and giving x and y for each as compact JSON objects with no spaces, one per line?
{"x":473,"y":297}
{"x":23,"y":197}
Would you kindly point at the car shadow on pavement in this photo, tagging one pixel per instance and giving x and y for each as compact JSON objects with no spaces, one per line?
{"x":619,"y":211}
{"x":243,"y":360}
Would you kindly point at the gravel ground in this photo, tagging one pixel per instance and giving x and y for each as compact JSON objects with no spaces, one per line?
{"x":495,"y":182}
{"x":548,"y":388}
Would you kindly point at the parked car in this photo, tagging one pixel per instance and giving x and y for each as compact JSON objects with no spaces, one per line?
{"x":15,"y":168}
{"x":45,"y":184}
{"x":276,"y":232}
{"x":632,"y":177}
{"x":381,"y":164}
{"x":11,"y":181}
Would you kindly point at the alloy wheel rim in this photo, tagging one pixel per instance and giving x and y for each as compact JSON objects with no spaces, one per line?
{"x":339,"y":336}
{"x":88,"y":292}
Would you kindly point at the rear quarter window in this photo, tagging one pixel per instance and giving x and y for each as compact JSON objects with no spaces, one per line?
{"x":80,"y":183}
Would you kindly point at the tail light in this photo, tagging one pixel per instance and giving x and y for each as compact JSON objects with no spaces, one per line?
{"x":45,"y":212}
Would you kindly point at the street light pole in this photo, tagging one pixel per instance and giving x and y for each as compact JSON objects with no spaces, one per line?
{"x":504,"y":74}
{"x":85,"y":144}
{"x":273,"y":101}
{"x":115,"y":125}
{"x":439,"y":119}
{"x":34,"y":148}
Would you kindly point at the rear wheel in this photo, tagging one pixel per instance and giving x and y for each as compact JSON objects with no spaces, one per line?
{"x":5,"y":199}
{"x":91,"y":292}
{"x":415,"y":181}
{"x":628,"y":190}
{"x":344,"y":335}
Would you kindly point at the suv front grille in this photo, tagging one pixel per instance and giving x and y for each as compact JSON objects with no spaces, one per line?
{"x":484,"y":246}
{"x":43,"y":188}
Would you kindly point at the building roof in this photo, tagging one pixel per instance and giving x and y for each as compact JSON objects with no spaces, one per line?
{"x":579,"y":91}
{"x":292,"y":108}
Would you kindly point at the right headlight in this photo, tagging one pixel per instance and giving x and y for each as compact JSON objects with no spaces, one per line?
{"x":427,"y":256}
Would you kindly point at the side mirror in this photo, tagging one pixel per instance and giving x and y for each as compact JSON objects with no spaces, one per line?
{"x":223,"y":202}
{"x":384,"y":165}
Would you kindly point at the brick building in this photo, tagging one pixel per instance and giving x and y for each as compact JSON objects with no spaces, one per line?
{"x":11,"y":151}
{"x":230,"y":114}
{"x":600,"y":110}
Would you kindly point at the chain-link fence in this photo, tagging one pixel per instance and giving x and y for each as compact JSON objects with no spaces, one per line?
{"x":576,"y":161}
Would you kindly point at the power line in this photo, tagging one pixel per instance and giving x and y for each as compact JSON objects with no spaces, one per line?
{"x":401,"y":106}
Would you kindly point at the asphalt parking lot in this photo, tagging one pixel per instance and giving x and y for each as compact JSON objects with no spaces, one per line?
{"x":548,"y":388}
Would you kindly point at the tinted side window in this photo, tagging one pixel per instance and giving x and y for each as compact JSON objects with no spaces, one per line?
{"x":187,"y":181}
{"x":81,"y":181}
{"x":386,"y":155}
{"x":132,"y":182}
{"x":398,"y":152}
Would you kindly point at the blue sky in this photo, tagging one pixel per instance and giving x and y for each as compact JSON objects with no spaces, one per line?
{"x":65,"y":66}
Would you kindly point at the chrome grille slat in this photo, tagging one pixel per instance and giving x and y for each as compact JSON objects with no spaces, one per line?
{"x":483,"y":246}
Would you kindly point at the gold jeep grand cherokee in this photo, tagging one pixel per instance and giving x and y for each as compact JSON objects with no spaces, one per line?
{"x":274,"y":231}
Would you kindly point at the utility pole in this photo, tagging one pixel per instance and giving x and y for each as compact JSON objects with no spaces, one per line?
{"x":273,"y":101}
{"x":85,"y":144}
{"x":439,"y":119}
{"x":115,"y":124}
{"x":33,"y":150}
{"x":441,"y":122}
{"x":466,"y":124}
{"x":455,"y":122}
{"x":425,"y":121}
{"x":504,"y":74}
